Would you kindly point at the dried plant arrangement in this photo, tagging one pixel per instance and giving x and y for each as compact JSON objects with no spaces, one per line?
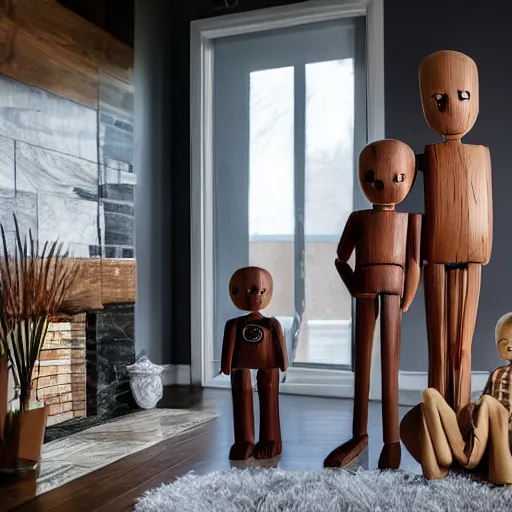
{"x":35,"y":286}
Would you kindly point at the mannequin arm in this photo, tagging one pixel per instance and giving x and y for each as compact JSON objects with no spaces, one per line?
{"x":280,"y":344}
{"x":228,"y":346}
{"x":345,"y":249}
{"x":412,"y":276}
{"x":489,"y":206}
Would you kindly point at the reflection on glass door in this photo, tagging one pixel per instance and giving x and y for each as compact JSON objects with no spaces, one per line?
{"x":284,"y":142}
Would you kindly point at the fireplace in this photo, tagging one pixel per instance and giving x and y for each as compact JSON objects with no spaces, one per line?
{"x":82,"y":375}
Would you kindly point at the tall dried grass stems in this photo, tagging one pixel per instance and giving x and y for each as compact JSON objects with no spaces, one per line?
{"x":34,"y":282}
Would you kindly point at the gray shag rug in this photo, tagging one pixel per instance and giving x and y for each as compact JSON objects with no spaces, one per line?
{"x":265,"y":490}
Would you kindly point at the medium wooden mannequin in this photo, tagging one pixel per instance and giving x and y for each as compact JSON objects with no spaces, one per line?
{"x":446,"y":437}
{"x":254,"y":342}
{"x":458,"y":221}
{"x":387,"y":250}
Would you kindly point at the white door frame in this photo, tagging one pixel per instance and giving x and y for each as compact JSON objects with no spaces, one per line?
{"x":203,"y":33}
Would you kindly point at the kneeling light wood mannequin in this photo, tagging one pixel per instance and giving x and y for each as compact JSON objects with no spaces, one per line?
{"x":447,"y":438}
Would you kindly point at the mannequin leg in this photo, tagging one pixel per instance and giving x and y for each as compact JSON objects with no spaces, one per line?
{"x":455,"y":298}
{"x":435,"y":292}
{"x":270,"y":444}
{"x":442,"y":441}
{"x":243,"y":415}
{"x":366,"y":315}
{"x":472,"y":291}
{"x":409,"y":428}
{"x":391,"y":318}
{"x":462,"y":306}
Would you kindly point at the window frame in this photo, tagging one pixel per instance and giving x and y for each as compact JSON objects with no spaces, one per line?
{"x":203,"y":34}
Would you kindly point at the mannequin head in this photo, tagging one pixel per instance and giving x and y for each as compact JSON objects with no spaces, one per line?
{"x":504,"y":337}
{"x":387,"y":169}
{"x":449,"y":92}
{"x":250,"y":288}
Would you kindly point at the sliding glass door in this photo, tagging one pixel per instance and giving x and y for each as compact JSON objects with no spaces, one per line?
{"x":289,"y":118}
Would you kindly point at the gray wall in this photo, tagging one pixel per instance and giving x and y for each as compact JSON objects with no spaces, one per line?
{"x":153,"y":202}
{"x":412,"y":31}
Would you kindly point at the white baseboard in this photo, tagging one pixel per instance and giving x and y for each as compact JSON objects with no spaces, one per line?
{"x":318,"y":382}
{"x":177,"y":374}
{"x":340,"y":384}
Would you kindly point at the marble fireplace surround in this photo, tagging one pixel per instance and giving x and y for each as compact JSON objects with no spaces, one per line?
{"x":109,"y":349}
{"x":109,"y":344}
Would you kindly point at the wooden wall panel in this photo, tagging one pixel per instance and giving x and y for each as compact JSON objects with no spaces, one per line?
{"x":24,"y":58}
{"x":53,"y":24}
{"x":46,"y":45}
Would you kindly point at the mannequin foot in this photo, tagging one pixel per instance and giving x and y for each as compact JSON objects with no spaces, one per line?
{"x":390,"y":456}
{"x":268,"y":450}
{"x":241,"y":451}
{"x":348,"y":451}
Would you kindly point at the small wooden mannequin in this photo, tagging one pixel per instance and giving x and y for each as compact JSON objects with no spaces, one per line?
{"x":458,"y":221}
{"x":446,"y":436}
{"x":387,"y":247}
{"x":254,"y":342}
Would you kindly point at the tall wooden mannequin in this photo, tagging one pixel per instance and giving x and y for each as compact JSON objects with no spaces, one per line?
{"x":254,"y":342}
{"x":387,"y":249}
{"x":458,"y":221}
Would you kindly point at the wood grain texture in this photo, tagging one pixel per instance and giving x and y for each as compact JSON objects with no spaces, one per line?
{"x":413,"y":260}
{"x":251,"y":288}
{"x":458,"y":220}
{"x":265,"y":354}
{"x":379,"y":238}
{"x":462,"y":375}
{"x":382,"y":238}
{"x":366,"y":316}
{"x":111,"y":281}
{"x":27,"y":60}
{"x":311,"y":425}
{"x":387,"y":248}
{"x":255,"y":342}
{"x":449,"y":92}
{"x":48,"y":46}
{"x":458,"y":203}
{"x":435,"y":309}
{"x":387,"y":169}
{"x":390,"y":332}
{"x":51,"y":23}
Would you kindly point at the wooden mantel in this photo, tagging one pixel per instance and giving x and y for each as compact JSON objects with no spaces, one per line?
{"x":113,"y":279}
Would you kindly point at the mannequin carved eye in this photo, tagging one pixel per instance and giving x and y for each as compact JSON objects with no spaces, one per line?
{"x":235,"y":290}
{"x":441,"y":101}
{"x":369,"y":177}
{"x":262,"y":291}
{"x":463,"y":95}
{"x":400,"y":178}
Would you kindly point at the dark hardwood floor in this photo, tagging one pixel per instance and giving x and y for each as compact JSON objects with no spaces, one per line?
{"x":311,"y":428}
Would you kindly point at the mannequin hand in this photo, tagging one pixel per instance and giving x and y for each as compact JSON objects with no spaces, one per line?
{"x":346,"y":273}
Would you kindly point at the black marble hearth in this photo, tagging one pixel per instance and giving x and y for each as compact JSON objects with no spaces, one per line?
{"x":110,"y":349}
